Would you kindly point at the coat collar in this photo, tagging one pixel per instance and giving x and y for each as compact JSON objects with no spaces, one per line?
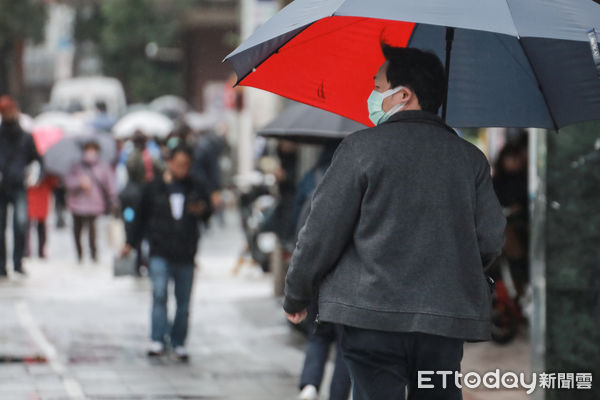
{"x":425,"y":117}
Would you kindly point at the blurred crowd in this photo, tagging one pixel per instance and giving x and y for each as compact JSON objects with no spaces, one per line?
{"x":78,"y":164}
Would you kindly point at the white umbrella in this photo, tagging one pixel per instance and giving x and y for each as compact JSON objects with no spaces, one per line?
{"x":170,"y":105}
{"x":70,"y":125}
{"x":153,"y":124}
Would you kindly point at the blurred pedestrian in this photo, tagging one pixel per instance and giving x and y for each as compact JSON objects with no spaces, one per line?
{"x":17,"y":151}
{"x":141,"y":169}
{"x":207,"y":151}
{"x":323,"y":335}
{"x":169,"y":215}
{"x":91,"y":192}
{"x":511,"y":186}
{"x":38,"y":200}
{"x":399,"y":231}
{"x":281,"y":219}
{"x":102,"y":121}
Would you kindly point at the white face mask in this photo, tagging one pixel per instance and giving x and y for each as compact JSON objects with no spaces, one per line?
{"x":375,"y":102}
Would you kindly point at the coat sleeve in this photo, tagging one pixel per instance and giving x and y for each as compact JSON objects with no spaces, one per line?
{"x":111,"y":186}
{"x":73,"y":179}
{"x":489,"y":217}
{"x":329,"y":227}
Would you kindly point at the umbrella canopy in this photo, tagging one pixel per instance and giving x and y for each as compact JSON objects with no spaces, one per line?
{"x":45,"y":138}
{"x":519,"y":63}
{"x":152,"y":123}
{"x":170,"y":105}
{"x":70,"y":125}
{"x":302,"y":123}
{"x":59,"y":159}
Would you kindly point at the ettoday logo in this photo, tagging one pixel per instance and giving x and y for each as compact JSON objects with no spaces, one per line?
{"x":505,"y":380}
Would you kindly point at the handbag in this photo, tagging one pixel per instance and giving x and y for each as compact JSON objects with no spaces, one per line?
{"x":125,"y":266}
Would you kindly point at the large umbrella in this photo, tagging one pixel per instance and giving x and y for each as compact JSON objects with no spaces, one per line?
{"x":59,"y":159}
{"x":70,"y":125}
{"x":520,"y":63}
{"x":170,"y":105}
{"x":302,"y":123}
{"x":45,"y":138}
{"x":152,"y":123}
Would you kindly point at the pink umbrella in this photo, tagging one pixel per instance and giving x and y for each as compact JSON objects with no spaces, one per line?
{"x":46,"y":137}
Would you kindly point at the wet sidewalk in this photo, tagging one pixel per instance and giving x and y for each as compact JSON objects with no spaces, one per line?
{"x":73,"y":331}
{"x":92,"y":329}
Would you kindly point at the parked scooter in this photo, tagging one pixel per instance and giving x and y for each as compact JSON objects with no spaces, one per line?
{"x":255,"y":193}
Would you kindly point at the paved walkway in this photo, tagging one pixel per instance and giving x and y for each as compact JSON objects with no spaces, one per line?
{"x":92,"y":331}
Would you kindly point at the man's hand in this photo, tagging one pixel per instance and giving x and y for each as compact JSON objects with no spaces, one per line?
{"x":197,"y":208}
{"x":126,"y":250}
{"x":298,"y":317}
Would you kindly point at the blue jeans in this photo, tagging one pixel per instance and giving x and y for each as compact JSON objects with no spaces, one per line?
{"x":18,"y":198}
{"x":317,"y":353}
{"x":161,"y":271}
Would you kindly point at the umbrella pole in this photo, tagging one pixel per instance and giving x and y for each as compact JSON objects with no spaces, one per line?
{"x":449,"y":40}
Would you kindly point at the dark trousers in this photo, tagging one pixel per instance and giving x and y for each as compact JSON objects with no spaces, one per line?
{"x":41,"y":237}
{"x":18,"y":199}
{"x":317,"y":353}
{"x":383,"y":365}
{"x":78,"y":223}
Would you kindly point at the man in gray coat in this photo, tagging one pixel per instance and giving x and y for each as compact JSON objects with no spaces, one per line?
{"x":398,"y":234}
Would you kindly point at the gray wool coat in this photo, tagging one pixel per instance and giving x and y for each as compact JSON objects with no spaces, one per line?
{"x":398,"y":233}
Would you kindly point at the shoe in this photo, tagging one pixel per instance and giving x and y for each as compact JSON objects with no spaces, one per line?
{"x":20,"y":271}
{"x":181,"y":353}
{"x":309,"y":392}
{"x":156,"y":349}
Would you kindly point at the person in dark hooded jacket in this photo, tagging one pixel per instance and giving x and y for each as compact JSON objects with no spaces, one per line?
{"x":17,"y":151}
{"x":169,"y":215}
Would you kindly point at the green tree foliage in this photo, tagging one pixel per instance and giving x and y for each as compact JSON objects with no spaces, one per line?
{"x":19,"y":20}
{"x":128,"y":26}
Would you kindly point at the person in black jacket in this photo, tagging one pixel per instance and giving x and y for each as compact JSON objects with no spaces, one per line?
{"x":397,"y":237}
{"x":169,"y":216}
{"x":17,"y":151}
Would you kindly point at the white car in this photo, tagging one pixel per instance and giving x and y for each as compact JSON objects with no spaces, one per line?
{"x":87,"y":91}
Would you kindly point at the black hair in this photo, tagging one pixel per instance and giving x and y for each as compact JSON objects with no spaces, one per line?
{"x":91,"y":143}
{"x":101,"y":106}
{"x":418,"y":70}
{"x":511,"y":149}
{"x":181,"y":148}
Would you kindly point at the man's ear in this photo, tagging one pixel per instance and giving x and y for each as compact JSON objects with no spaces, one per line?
{"x":404,"y":95}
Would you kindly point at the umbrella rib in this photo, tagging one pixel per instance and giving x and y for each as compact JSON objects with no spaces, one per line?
{"x":514,"y":58}
{"x":556,"y":127}
{"x":513,"y":19}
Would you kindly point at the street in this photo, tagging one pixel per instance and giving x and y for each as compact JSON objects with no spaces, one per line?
{"x":85,"y":333}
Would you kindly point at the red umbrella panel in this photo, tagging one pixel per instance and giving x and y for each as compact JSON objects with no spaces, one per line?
{"x":333,"y":74}
{"x":46,"y":137}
